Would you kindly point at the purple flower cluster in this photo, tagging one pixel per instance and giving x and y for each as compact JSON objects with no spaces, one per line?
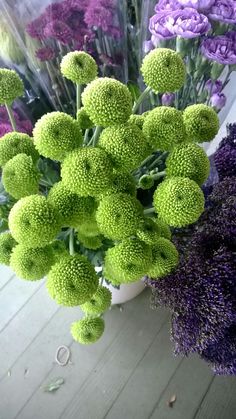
{"x":22,"y":124}
{"x":225,"y":156}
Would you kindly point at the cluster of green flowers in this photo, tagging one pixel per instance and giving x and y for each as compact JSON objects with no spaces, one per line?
{"x":95,"y":200}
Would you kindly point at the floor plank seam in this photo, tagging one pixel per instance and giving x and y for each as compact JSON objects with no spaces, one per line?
{"x":203,"y":398}
{"x":9,"y":280}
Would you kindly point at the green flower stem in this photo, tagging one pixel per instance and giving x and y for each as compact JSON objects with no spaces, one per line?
{"x":96,"y":135}
{"x":86,"y":136}
{"x":141,"y":99}
{"x":158,"y":159}
{"x":158,"y":175}
{"x":71,"y":242}
{"x":149,"y":211}
{"x":78,"y":96}
{"x":11,"y":117}
{"x":227,"y":78}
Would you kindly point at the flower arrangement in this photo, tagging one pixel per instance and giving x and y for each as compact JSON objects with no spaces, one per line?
{"x":74,"y":184}
{"x":202,"y":294}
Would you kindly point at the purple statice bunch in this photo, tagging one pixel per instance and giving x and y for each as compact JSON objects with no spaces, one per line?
{"x":22,"y":124}
{"x":225,"y":155}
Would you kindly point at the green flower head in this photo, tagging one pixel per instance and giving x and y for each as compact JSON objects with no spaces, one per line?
{"x":201,"y":123}
{"x":137,"y":120}
{"x":164,"y":229}
{"x":163,"y":70}
{"x":99,"y":302}
{"x":107,"y":102}
{"x":88,"y":228}
{"x":20,"y":176}
{"x":79,"y":67}
{"x":121,"y":182}
{"x":59,"y":250}
{"x":188,"y":160}
{"x":87,"y":330}
{"x":7,"y":243}
{"x":55,"y":134}
{"x":31,"y":264}
{"x":33,"y":221}
{"x":126,"y":146}
{"x":87,"y":171}
{"x":164,"y":128}
{"x":90,"y":242}
{"x":179,"y":201}
{"x":83,"y":119}
{"x":72,"y":281}
{"x":11,"y":86}
{"x":14,"y":143}
{"x":165,"y":258}
{"x":149,"y":232}
{"x":119,"y":216}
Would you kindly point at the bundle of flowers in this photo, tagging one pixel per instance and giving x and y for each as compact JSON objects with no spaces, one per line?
{"x":202,"y":292}
{"x":203,"y":31}
{"x":88,"y":213}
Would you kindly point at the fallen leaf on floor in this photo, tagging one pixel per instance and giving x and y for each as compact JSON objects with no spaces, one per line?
{"x":9,"y":373}
{"x":172,"y":400}
{"x":54,"y":385}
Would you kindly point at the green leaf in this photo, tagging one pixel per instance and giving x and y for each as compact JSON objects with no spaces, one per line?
{"x":134,"y":90}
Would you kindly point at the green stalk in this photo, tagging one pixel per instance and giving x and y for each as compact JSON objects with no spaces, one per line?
{"x":95,"y":136}
{"x":158,"y":175}
{"x":141,"y":99}
{"x":11,"y":117}
{"x":71,"y":242}
{"x":159,"y":158}
{"x":78,"y":96}
{"x":149,"y":211}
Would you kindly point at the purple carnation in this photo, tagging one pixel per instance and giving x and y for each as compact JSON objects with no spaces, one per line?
{"x":158,"y":26}
{"x":231,"y":35}
{"x":223,"y":11}
{"x":187,"y":23}
{"x":213,"y":86}
{"x":45,"y":54}
{"x":167,"y":99}
{"x":218,"y":100}
{"x":220,"y":49}
{"x":58,"y":30}
{"x":197,"y":4}
{"x":167,"y":5}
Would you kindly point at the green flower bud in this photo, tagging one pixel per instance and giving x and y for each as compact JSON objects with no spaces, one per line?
{"x":128,"y":261}
{"x":165,"y":258}
{"x":163,"y":70}
{"x":72,"y":281}
{"x":90,"y":242}
{"x":179,"y":201}
{"x":87,"y":171}
{"x":87,"y":330}
{"x":11,"y":86}
{"x":79,"y":67}
{"x":31,"y":264}
{"x":164,"y":128}
{"x":7,"y":243}
{"x":72,"y":209}
{"x":83,"y":119}
{"x":55,"y":134}
{"x":163,"y":228}
{"x":146,"y":182}
{"x":33,"y":221}
{"x":149,"y":232}
{"x":125,"y":144}
{"x":188,"y":160}
{"x":119,"y":216}
{"x":20,"y":177}
{"x":99,"y":302}
{"x":107,"y":102}
{"x":14,"y":143}
{"x":201,"y":123}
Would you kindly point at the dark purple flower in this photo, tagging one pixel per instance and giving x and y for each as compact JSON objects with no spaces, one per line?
{"x":187,"y":23}
{"x":225,"y":156}
{"x":231,"y":35}
{"x":223,"y":11}
{"x":5,"y":128}
{"x":76,"y":5}
{"x":36,"y":28}
{"x":220,"y":49}
{"x":158,"y":26}
{"x":98,"y":16}
{"x":224,"y":189}
{"x":213,"y":86}
{"x":167,"y":99}
{"x":45,"y":54}
{"x":57,"y":11}
{"x":218,"y":100}
{"x":165,"y":5}
{"x":58,"y":30}
{"x":25,"y":126}
{"x":197,"y":4}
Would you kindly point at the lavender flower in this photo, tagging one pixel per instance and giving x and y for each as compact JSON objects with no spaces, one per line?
{"x":223,"y":11}
{"x":45,"y":54}
{"x":58,"y":30}
{"x":218,"y":100}
{"x":197,"y":4}
{"x":213,"y":86}
{"x":187,"y":23}
{"x":220,"y":49}
{"x":158,"y":26}
{"x":167,"y":99}
{"x":167,"y":5}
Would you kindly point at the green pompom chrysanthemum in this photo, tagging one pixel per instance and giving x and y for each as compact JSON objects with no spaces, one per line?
{"x":87,"y":330}
{"x":83,"y":119}
{"x":165,"y":258}
{"x":31,"y":264}
{"x":56,"y":134}
{"x":107,"y":102}
{"x":164,"y":128}
{"x":90,"y":242}
{"x":72,"y":281}
{"x":179,"y":201}
{"x":137,"y":120}
{"x":20,"y":177}
{"x":87,"y":171}
{"x":33,"y":221}
{"x":149,"y":232}
{"x":89,"y":228}
{"x":201,"y":123}
{"x":121,"y":182}
{"x":14,"y":143}
{"x":119,"y":216}
{"x":165,"y":230}
{"x":146,"y":182}
{"x":99,"y":302}
{"x":72,"y":209}
{"x":79,"y":67}
{"x":188,"y":160}
{"x":128,"y":261}
{"x":59,"y":250}
{"x":11,"y":86}
{"x":163,"y":70}
{"x":7,"y":243}
{"x":125,"y":144}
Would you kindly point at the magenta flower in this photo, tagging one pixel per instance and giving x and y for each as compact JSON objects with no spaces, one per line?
{"x":158,"y":26}
{"x":35,"y":29}
{"x":167,"y":5}
{"x":197,"y":4}
{"x":213,"y":86}
{"x":220,"y":49}
{"x":76,"y":5}
{"x":58,"y":30}
{"x":4,"y":128}
{"x":223,"y":11}
{"x":98,"y":16}
{"x":218,"y":100}
{"x":187,"y":23}
{"x":45,"y":54}
{"x":57,"y":11}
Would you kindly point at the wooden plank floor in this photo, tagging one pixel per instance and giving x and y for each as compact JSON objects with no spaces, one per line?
{"x":130,"y":373}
